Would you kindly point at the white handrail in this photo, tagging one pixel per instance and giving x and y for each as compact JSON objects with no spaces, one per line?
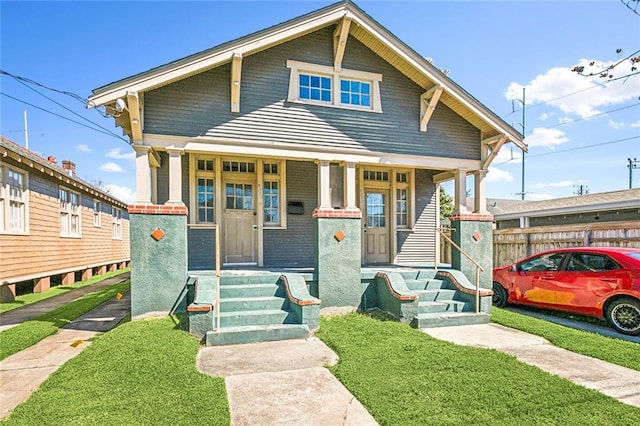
{"x":218,"y":304}
{"x":479,"y":268}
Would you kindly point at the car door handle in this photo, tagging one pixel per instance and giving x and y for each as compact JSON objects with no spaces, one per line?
{"x":608,"y":279}
{"x":549,"y":277}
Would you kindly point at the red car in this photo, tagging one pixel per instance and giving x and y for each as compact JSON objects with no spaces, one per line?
{"x":601,"y":282}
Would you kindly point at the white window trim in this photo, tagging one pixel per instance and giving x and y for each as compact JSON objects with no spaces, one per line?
{"x":282,"y":193}
{"x":6,"y":201}
{"x":303,"y":67}
{"x":97,"y":215}
{"x":116,"y":226}
{"x":67,"y":209}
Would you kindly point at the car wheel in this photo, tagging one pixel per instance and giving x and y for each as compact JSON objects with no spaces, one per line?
{"x":500,"y":295}
{"x":624,"y":315}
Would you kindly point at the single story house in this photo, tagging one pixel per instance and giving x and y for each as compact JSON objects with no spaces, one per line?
{"x":317,"y":145}
{"x":54,"y":223}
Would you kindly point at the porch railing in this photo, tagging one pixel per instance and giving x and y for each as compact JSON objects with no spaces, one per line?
{"x":472,"y":260}
{"x":218,"y":304}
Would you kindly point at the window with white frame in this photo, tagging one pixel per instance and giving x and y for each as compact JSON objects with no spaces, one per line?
{"x":116,"y":215}
{"x":323,"y":85}
{"x":97,"y":206}
{"x":69,"y":213}
{"x":13,"y":200}
{"x":272,"y":194}
{"x":205,"y":184}
{"x":402,"y":200}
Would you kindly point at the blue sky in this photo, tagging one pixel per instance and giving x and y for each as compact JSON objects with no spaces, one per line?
{"x":580,"y":130}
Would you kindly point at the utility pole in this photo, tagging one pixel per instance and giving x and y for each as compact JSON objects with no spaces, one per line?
{"x":524,"y":117}
{"x":581,"y":189}
{"x":633,"y":164}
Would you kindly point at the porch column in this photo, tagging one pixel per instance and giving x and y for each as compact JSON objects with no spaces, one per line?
{"x":175,"y":176}
{"x":154,"y":185}
{"x":460,"y":198}
{"x":350,"y":183}
{"x":324,"y":185}
{"x":480,"y":192}
{"x":143,"y":175}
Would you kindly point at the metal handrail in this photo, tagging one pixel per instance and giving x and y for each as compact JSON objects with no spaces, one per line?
{"x":479,"y":268}
{"x":218,"y":304}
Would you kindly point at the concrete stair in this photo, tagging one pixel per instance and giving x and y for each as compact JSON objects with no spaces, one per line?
{"x":253,"y":308}
{"x":438,"y":304}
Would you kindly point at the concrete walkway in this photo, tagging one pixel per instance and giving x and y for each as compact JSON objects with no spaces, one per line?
{"x":283,"y":383}
{"x":610,"y":379}
{"x":22,"y":373}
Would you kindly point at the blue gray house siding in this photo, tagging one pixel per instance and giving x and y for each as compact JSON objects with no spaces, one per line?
{"x":200,"y":105}
{"x":295,"y":245}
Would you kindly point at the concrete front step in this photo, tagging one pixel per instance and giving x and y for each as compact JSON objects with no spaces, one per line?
{"x":439,"y":295}
{"x":249,"y":290}
{"x":423,"y":284}
{"x":257,"y":317}
{"x":235,"y":304}
{"x":440,"y":307}
{"x":449,"y":319}
{"x":256,"y":333}
{"x":242,"y":279}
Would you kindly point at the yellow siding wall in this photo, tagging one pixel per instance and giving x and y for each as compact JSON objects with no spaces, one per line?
{"x":44,"y":251}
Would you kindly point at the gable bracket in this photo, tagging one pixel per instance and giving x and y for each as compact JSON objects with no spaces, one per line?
{"x":340,"y":36}
{"x":236,"y":80}
{"x":490,"y":148}
{"x":133,"y":104}
{"x":428,"y":102}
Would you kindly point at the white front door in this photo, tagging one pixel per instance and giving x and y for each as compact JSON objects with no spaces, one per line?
{"x":239,"y":229}
{"x":376,"y":226}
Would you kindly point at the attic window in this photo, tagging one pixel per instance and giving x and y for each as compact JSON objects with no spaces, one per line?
{"x":323,"y":85}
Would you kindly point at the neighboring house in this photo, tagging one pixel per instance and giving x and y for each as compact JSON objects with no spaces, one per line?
{"x":524,"y":228}
{"x":54,"y":223}
{"x":320,"y":142}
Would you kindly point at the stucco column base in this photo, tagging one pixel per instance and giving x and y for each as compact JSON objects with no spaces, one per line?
{"x":474,"y":234}
{"x":158,"y":259}
{"x":338,"y":257}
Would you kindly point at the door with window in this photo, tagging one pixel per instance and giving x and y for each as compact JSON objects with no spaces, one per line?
{"x":239,"y":226}
{"x":376,"y":226}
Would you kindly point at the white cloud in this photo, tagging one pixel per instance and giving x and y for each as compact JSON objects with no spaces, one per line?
{"x":508,"y":154}
{"x":538,"y":197}
{"x":547,"y":138}
{"x":498,"y":175}
{"x":615,"y":125}
{"x":575,"y":94}
{"x":115,"y":153}
{"x":83,"y":148}
{"x":122,"y":193}
{"x":561,"y":184}
{"x":544,"y":116}
{"x":636,"y":124}
{"x":111,"y":168}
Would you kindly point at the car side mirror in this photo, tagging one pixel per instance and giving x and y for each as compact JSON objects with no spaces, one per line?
{"x":514,"y":268}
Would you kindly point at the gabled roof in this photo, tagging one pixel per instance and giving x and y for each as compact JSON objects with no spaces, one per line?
{"x":33,"y":161}
{"x":366,"y":30}
{"x":624,"y":199}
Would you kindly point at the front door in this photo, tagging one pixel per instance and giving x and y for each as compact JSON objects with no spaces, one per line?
{"x":239,"y":229}
{"x":376,"y":226}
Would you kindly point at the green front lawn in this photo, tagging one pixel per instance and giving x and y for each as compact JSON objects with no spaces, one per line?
{"x":31,"y":332}
{"x":615,"y":351}
{"x":27,"y":299}
{"x":141,"y":373}
{"x":405,"y":377}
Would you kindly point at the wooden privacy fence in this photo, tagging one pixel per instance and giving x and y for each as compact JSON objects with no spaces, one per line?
{"x":511,"y":245}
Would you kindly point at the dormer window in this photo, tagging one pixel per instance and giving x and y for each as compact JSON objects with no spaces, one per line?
{"x":323,"y":85}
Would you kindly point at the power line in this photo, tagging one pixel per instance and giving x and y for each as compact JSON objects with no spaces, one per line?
{"x":590,"y":116}
{"x":63,"y":117}
{"x":68,"y":109}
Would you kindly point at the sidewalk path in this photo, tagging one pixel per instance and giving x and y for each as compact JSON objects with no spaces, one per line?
{"x":19,"y":315}
{"x":22,"y":373}
{"x":283,"y":383}
{"x":610,"y":379}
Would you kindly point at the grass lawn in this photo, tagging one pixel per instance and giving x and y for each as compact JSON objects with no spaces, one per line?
{"x":405,"y":377}
{"x":140,"y":373}
{"x":27,"y":299}
{"x":615,"y":351}
{"x":31,"y":332}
